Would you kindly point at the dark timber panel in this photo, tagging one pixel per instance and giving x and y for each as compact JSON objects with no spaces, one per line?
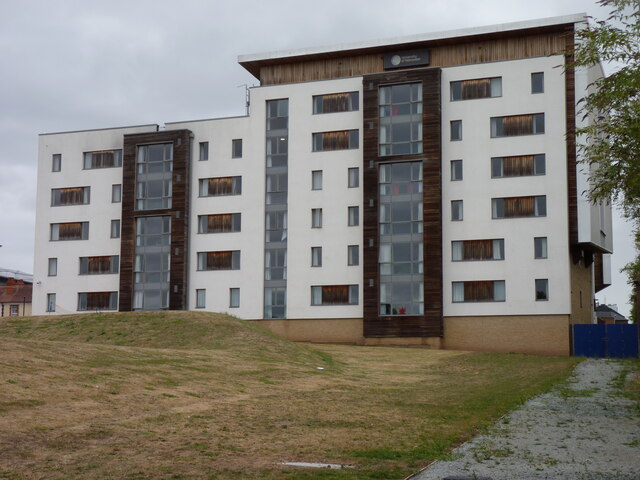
{"x":429,"y":324}
{"x":492,"y":47}
{"x":179,"y":213}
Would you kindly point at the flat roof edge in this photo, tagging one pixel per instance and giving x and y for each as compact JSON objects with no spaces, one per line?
{"x":422,"y":37}
{"x":100,"y":129}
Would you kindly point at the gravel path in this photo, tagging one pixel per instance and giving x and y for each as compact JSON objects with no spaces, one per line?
{"x":583,"y":432}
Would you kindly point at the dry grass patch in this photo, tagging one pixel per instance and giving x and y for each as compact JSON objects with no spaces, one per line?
{"x":233,"y":402}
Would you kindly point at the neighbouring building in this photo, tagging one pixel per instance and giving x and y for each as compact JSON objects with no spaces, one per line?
{"x":15,"y":296}
{"x":419,"y":191}
{"x":608,"y":314}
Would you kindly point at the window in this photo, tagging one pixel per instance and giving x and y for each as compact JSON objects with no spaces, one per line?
{"x":456,"y":210}
{"x":456,"y":170}
{"x":51,"y":302}
{"x":275,"y":302}
{"x":234,"y":298}
{"x":99,"y":265}
{"x":201,"y":295}
{"x":14,"y":310}
{"x":276,"y":189}
{"x":219,"y":223}
{"x":514,"y":125}
{"x":316,"y":218}
{"x":70,"y":196}
{"x":56,"y":163}
{"x":154,"y":167}
{"x":353,"y":255}
{"x":519,"y":207}
{"x":537,"y":82}
{"x":334,"y":295}
{"x":542,"y":289}
{"x":204,"y":151}
{"x":222,"y":260}
{"x":540,"y":247}
{"x":277,"y":149}
{"x":88,"y":301}
{"x":276,"y":227}
{"x":236,"y":148}
{"x":477,"y":88}
{"x":336,"y":102}
{"x":220,"y":186}
{"x":102,"y":159}
{"x":338,"y":140}
{"x":477,"y":250}
{"x":115,"y":228}
{"x":316,"y":256}
{"x":400,"y":109}
{"x":479,"y":291}
{"x":52,"y":267}
{"x":354,"y":216}
{"x":316,"y":180}
{"x":456,"y":130}
{"x":518,"y":166}
{"x":353,"y":177}
{"x":69,"y":231}
{"x":275,"y":264}
{"x":116,"y":193}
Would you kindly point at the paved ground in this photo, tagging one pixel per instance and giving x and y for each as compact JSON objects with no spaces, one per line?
{"x":583,"y":432}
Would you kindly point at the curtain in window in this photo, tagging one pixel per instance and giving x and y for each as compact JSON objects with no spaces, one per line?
{"x":316,"y":295}
{"x":70,"y":231}
{"x":517,"y":125}
{"x":498,"y":249}
{"x":335,"y":295}
{"x":219,"y":223}
{"x":479,"y":88}
{"x":72,"y":196}
{"x":336,"y":102}
{"x":335,"y":140}
{"x":478,"y":249}
{"x":98,"y":300}
{"x":478,"y":291}
{"x":220,"y":186}
{"x":456,"y":251}
{"x":518,"y":166}
{"x":99,"y":264}
{"x":219,"y":260}
{"x":519,"y":207}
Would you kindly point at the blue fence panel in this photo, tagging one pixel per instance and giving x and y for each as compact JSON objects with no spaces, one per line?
{"x":589,"y":341}
{"x":622,"y":341}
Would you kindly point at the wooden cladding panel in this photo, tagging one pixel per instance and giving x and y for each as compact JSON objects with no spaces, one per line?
{"x":429,"y":324}
{"x":331,"y":65}
{"x":179,"y":215}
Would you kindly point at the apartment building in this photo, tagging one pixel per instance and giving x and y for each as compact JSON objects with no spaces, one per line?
{"x":424,"y":190}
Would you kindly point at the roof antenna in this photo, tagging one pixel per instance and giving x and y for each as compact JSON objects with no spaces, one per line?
{"x":247,"y":96}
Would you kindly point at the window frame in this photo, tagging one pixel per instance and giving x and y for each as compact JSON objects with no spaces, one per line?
{"x":116,"y":193}
{"x":84,"y":232}
{"x":57,"y":195}
{"x":236,"y":148}
{"x":52,"y":267}
{"x":201,"y":298}
{"x":541,"y":289}
{"x":88,"y":163}
{"x":235,"y":223}
{"x":495,"y":291}
{"x":538,"y":125}
{"x":537,"y":83}
{"x":202,"y":264}
{"x":235,"y":183}
{"x":113,"y":301}
{"x":540,"y":244}
{"x":353,"y":295}
{"x":203,"y":151}
{"x":353,"y":260}
{"x":353,"y":177}
{"x":497,"y":245}
{"x":84,"y":265}
{"x":539,"y":207}
{"x":457,"y":87}
{"x":457,"y":207}
{"x":455,"y":131}
{"x":318,"y":141}
{"x":51,"y":302}
{"x":316,"y":218}
{"x":56,"y":162}
{"x":353,"y":216}
{"x":316,"y":257}
{"x":455,"y":166}
{"x":352,"y":102}
{"x":115,"y":228}
{"x":538,"y":165}
{"x":316,"y":180}
{"x":234,"y":297}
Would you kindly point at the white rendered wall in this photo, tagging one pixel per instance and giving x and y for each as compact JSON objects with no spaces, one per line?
{"x":334,"y":198}
{"x":519,"y":269}
{"x":99,"y":213}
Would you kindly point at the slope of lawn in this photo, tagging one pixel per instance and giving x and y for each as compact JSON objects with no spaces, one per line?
{"x":191,"y":395}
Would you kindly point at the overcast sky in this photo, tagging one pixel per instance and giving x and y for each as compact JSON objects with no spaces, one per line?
{"x":79,"y":64}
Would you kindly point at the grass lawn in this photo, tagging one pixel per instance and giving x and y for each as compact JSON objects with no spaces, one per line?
{"x":186,"y":395}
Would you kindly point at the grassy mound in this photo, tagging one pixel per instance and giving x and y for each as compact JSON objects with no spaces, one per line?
{"x":183,"y":330}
